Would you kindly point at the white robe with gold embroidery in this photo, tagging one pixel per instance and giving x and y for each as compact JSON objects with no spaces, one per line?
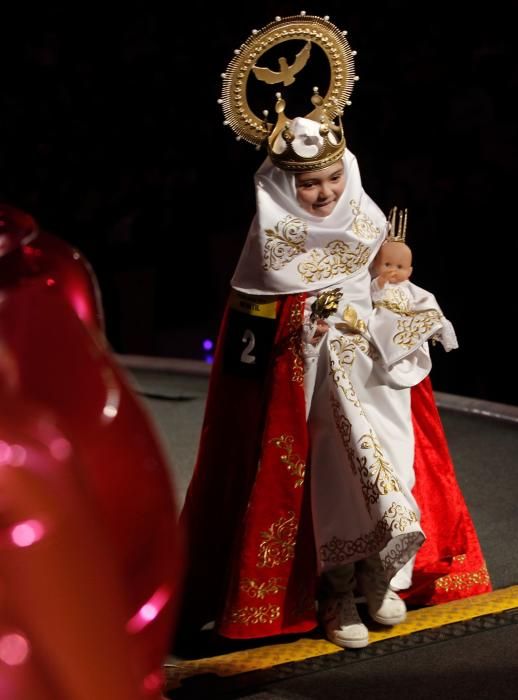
{"x":358,"y":409}
{"x":362,"y":443}
{"x":405,"y":317}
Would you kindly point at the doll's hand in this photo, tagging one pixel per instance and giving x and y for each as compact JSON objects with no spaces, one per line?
{"x":381,"y":280}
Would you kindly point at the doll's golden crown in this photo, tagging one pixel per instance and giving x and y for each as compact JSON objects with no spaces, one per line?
{"x":279,"y":138}
{"x":398,"y":222}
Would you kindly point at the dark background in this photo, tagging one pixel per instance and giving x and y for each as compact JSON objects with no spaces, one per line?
{"x":111,"y":136}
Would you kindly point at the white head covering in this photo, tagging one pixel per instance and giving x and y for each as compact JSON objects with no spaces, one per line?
{"x":287,"y":249}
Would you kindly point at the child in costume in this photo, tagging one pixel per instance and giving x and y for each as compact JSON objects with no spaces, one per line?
{"x":305,"y":476}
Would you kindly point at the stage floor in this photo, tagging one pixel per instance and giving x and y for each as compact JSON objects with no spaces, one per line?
{"x":457,"y":650}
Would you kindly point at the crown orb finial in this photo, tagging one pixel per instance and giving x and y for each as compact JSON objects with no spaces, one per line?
{"x":280,"y":105}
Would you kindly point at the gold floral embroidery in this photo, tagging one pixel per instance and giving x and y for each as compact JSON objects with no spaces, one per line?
{"x":395,"y":299}
{"x":295,"y":342}
{"x":345,"y":346}
{"x":357,"y":465}
{"x":337,"y":258}
{"x":400,"y":517}
{"x":380,"y":470}
{"x":362,"y":226}
{"x":260,"y":589}
{"x":396,"y":517}
{"x":343,"y":351}
{"x":284,"y":242}
{"x":278,"y":544}
{"x":412,"y":330}
{"x":344,"y":427}
{"x":295,"y":465}
{"x":342,"y":381}
{"x":402,"y":548}
{"x":463,"y":580}
{"x":337,"y":551}
{"x":376,"y":479}
{"x":249,"y":615}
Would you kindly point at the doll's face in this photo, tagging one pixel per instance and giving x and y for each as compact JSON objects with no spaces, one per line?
{"x":394,"y":260}
{"x":319,"y":191}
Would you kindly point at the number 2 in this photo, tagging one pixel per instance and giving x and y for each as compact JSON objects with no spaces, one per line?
{"x":249,"y":339}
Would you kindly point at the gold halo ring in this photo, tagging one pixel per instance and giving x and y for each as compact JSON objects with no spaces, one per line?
{"x":317,"y":30}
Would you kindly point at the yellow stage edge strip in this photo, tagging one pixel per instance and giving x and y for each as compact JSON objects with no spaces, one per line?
{"x":269,"y":656}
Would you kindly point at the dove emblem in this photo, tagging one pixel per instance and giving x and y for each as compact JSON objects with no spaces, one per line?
{"x":287,"y":73}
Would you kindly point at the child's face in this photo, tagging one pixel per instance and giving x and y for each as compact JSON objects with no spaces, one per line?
{"x":319,"y":191}
{"x":394,"y":261}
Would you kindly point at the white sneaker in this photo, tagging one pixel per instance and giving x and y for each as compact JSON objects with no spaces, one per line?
{"x":342,"y":624}
{"x":384,"y":604}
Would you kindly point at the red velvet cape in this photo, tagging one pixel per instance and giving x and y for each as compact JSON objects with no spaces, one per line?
{"x":251,"y":561}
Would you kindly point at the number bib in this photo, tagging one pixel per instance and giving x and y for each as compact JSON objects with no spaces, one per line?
{"x":250,"y":334}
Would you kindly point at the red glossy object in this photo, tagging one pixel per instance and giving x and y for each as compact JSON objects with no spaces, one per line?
{"x":89,"y":546}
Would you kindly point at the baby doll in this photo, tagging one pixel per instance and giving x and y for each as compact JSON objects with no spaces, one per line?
{"x":405,"y":315}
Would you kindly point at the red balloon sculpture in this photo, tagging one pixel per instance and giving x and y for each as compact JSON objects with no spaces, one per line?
{"x":90,"y":553}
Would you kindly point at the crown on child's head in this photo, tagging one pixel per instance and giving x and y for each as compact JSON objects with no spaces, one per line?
{"x":398,"y":221}
{"x":303,"y":148}
{"x":306,"y":143}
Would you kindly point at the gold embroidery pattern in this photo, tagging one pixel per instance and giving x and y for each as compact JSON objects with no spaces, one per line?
{"x":284,"y":242}
{"x":278,"y":544}
{"x":400,"y":517}
{"x":402,"y":550}
{"x":336,"y":551}
{"x":295,"y":343}
{"x":397,"y":517}
{"x":395,"y":299}
{"x":413,"y":329}
{"x":362,"y":226}
{"x":345,"y":346}
{"x":249,"y":615}
{"x":380,"y":470}
{"x":337,"y":258}
{"x":396,"y":306}
{"x":464,"y":580}
{"x":342,"y":381}
{"x":342,"y":358}
{"x":344,"y":427}
{"x":256,"y":589}
{"x":295,"y":465}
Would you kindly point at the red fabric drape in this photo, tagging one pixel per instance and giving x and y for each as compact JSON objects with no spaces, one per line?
{"x":251,"y":564}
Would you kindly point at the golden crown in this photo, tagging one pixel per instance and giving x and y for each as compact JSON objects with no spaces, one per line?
{"x":398,"y":221}
{"x":283,"y":141}
{"x":279,"y":138}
